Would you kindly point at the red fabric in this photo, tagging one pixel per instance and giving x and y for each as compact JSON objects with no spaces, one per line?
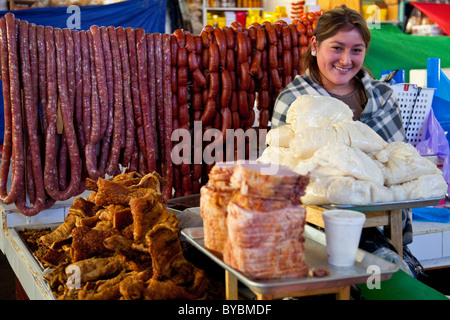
{"x":438,"y":12}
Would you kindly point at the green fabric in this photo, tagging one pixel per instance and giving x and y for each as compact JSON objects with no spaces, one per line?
{"x":390,"y":48}
{"x":401,"y":286}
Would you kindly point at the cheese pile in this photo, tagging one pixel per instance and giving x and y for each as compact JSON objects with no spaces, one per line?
{"x":348,"y":162}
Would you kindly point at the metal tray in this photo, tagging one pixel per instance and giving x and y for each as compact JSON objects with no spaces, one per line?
{"x":316,"y":257}
{"x":190,"y":201}
{"x":35,"y":264}
{"x":193,"y":201}
{"x":383,"y":206}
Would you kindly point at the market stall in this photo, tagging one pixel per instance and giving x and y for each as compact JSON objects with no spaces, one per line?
{"x":109,"y":128}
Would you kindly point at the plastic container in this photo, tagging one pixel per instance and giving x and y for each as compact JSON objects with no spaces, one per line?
{"x":415,"y":104}
{"x":342,"y":232}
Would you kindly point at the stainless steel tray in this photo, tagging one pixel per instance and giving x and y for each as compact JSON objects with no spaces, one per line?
{"x":193,"y":201}
{"x":35,"y":264}
{"x":316,"y":257}
{"x":382,"y":206}
{"x":190,"y":201}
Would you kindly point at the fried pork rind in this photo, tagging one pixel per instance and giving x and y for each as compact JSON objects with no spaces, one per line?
{"x":103,"y":289}
{"x":64,"y":231}
{"x":147,"y":212}
{"x":125,"y":243}
{"x":97,"y":268}
{"x":88,"y":242}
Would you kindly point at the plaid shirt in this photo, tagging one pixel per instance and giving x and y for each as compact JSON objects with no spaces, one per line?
{"x":381,"y":112}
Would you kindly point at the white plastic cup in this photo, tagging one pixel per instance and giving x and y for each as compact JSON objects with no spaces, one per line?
{"x":343,"y":231}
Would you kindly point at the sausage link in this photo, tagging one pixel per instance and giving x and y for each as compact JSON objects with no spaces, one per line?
{"x":189,"y":42}
{"x":264,"y":116}
{"x":221,"y":41}
{"x":86,"y":84}
{"x":102,"y":84}
{"x":234,"y":101}
{"x":256,"y":63}
{"x":214,"y":85}
{"x":245,"y":76}
{"x":235,"y":120}
{"x":174,"y":50}
{"x":261,"y":40}
{"x":197,"y":101}
{"x":131,"y":42}
{"x":42,"y":75}
{"x":192,"y":61}
{"x":167,"y":97}
{"x":182,"y":76}
{"x":160,"y":91}
{"x":294,"y":35}
{"x":273,"y":56}
{"x":242,"y":47}
{"x":208,"y":112}
{"x":230,"y":60}
{"x":286,"y":38}
{"x":206,"y":38}
{"x":214,"y":58}
{"x":243,"y":104}
{"x":146,"y":106}
{"x":119,"y":117}
{"x":199,"y":78}
{"x":287,"y":62}
{"x":78,"y":103}
{"x":226,"y":88}
{"x":127,"y":100}
{"x":37,"y":193}
{"x":180,"y":37}
{"x":229,"y":37}
{"x":69,"y":131}
{"x":13,"y":118}
{"x":271,"y":34}
{"x":95,"y":135}
{"x":275,"y":78}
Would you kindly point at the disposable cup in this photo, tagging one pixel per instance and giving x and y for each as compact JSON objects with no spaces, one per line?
{"x":342,"y":231}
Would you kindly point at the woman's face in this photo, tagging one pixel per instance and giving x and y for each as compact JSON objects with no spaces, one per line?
{"x":339,"y":59}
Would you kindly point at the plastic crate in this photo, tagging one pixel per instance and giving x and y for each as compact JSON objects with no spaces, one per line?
{"x":415,"y":105}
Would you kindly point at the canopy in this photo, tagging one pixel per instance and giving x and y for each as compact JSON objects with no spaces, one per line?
{"x":438,"y":12}
{"x":147,"y":14}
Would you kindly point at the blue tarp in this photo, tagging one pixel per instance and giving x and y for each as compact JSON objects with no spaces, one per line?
{"x":147,"y":14}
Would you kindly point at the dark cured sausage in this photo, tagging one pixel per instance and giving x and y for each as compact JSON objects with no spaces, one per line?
{"x":100,"y":71}
{"x":208,"y":112}
{"x":108,"y":118}
{"x":95,"y":135}
{"x":167,"y":78}
{"x":151,"y":162}
{"x":119,"y":117}
{"x":149,"y":133}
{"x":86,"y":88}
{"x":127,"y":100}
{"x":227,"y":88}
{"x":78,"y":87}
{"x":30,"y":108}
{"x":69,"y":132}
{"x":242,"y":50}
{"x":42,"y":75}
{"x":12,"y":115}
{"x":214,"y":58}
{"x":159,"y":93}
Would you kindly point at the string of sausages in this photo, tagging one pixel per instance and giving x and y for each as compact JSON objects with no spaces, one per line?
{"x":91,"y":103}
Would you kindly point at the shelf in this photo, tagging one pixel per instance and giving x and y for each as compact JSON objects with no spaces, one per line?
{"x":232,"y":8}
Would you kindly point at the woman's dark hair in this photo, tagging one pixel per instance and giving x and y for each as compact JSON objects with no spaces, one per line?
{"x":330,"y":23}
